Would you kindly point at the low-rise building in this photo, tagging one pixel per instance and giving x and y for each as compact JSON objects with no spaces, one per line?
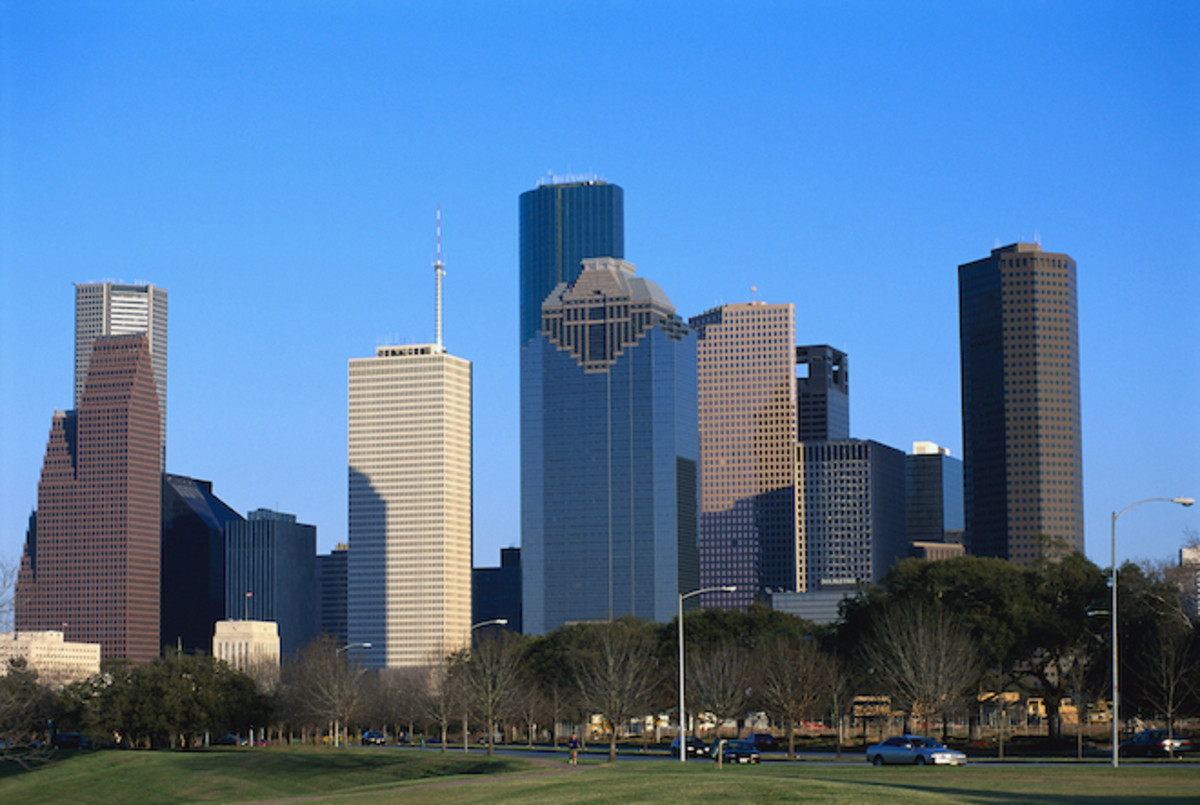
{"x":57,"y":661}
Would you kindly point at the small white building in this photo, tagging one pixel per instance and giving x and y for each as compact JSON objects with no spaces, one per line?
{"x":249,"y":646}
{"x":56,"y":661}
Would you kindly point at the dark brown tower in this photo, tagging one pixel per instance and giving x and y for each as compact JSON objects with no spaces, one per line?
{"x":91,"y":565}
{"x":1023,"y":458}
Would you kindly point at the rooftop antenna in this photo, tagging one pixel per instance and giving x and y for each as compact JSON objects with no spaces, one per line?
{"x":439,"y":271}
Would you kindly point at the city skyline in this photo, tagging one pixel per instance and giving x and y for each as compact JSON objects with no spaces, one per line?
{"x":275,"y":194}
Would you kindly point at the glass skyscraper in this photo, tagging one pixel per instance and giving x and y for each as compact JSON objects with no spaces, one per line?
{"x":561,"y":225}
{"x":609,"y":453}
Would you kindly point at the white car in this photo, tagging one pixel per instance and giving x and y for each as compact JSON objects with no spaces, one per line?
{"x":914,"y":749}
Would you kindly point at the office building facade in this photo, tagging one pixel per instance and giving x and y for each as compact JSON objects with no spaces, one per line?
{"x":850,"y":511}
{"x":562,"y":224}
{"x":1022,"y":441}
{"x":609,"y":453}
{"x":410,"y":529}
{"x":109,"y":308}
{"x":271,"y":575}
{"x":496,"y":591}
{"x":58,"y":662}
{"x":331,"y":585}
{"x":91,"y":569}
{"x":193,"y":561}
{"x":822,"y":394}
{"x":746,"y":395}
{"x":934,"y":498}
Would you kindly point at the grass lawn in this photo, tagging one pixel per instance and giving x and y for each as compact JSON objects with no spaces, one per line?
{"x":390,"y":775}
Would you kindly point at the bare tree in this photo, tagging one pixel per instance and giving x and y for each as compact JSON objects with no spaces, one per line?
{"x":923,"y":657}
{"x":719,"y":683}
{"x":616,"y":674}
{"x":322,"y":688}
{"x":441,"y":698}
{"x":491,"y":675}
{"x":794,"y":678}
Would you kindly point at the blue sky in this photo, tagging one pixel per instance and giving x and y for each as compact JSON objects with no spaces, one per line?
{"x":276,"y":166}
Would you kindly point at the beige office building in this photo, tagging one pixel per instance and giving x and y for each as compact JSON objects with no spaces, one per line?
{"x":251,"y":647}
{"x":57,"y":661}
{"x":409,"y":565}
{"x":746,"y":386}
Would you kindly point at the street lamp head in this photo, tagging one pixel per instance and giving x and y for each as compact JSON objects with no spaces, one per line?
{"x":1183,"y":501}
{"x":729,"y":589}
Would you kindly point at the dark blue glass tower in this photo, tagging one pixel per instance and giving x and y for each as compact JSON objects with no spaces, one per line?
{"x":609,"y":453}
{"x":561,"y":225}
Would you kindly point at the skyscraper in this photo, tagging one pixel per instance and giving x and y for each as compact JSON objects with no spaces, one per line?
{"x":409,"y":564}
{"x":934,"y":500}
{"x":108,"y":308}
{"x":609,"y":453}
{"x":91,"y":567}
{"x":747,"y":413}
{"x":1022,"y":444}
{"x":331,"y":586}
{"x":271,"y":575}
{"x":849,"y":511}
{"x":561,"y":225}
{"x":822,"y":394}
{"x":193,"y":561}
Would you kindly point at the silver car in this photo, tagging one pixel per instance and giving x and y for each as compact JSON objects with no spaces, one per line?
{"x":914,"y":749}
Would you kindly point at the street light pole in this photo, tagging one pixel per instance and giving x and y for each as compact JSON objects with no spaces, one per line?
{"x":474,"y":626}
{"x":1116,"y":688}
{"x":682,"y":717}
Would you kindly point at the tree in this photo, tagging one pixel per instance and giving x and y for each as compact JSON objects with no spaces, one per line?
{"x":923,"y":657}
{"x":718,"y":682}
{"x":795,"y":676}
{"x":322,"y":688}
{"x":441,"y":698}
{"x":491,"y":674}
{"x":616,"y":673}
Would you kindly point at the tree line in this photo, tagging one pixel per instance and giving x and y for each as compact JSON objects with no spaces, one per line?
{"x":935,"y":638}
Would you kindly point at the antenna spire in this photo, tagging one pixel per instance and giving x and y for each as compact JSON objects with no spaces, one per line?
{"x":439,"y":271}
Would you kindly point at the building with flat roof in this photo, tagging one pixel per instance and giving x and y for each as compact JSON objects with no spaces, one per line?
{"x":249,"y":646}
{"x":271,"y":575}
{"x":56,"y":661}
{"x":496,"y":591}
{"x":1022,"y":441}
{"x":91,"y":567}
{"x":746,"y":390}
{"x":112,"y":308}
{"x":934,"y":498}
{"x":331,"y":585}
{"x":609,"y":453}
{"x":850,"y":511}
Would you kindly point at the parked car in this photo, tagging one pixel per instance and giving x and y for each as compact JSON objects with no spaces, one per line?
{"x":229,"y":740}
{"x":914,"y":749}
{"x":373,"y":737}
{"x":71,"y":740}
{"x":764,"y":742}
{"x":695,"y":748}
{"x":735,"y":751}
{"x":1155,"y":743}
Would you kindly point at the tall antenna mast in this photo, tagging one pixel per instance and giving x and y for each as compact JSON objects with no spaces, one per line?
{"x":439,"y":271}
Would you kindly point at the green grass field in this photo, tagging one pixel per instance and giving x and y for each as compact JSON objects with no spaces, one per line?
{"x":389,"y":775}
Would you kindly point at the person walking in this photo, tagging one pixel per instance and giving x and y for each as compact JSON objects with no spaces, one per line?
{"x":573,"y":745}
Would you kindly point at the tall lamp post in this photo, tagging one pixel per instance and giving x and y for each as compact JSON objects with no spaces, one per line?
{"x":682,"y":717}
{"x":474,"y":626}
{"x":337,"y":727}
{"x":1116,"y":688}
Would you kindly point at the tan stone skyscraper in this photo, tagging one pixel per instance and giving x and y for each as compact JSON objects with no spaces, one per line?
{"x":409,"y":563}
{"x":91,"y":564}
{"x":746,"y":384}
{"x":1022,"y":443}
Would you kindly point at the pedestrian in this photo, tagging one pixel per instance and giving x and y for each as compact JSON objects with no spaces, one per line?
{"x":574,"y":747}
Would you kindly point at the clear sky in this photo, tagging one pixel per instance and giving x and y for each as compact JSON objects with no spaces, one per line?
{"x":276,"y":166}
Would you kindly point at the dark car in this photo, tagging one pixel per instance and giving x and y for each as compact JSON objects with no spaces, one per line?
{"x":229,"y":740}
{"x":1155,"y":743}
{"x":764,"y":742}
{"x":71,"y":740}
{"x":373,"y":737}
{"x":695,"y":748}
{"x":735,"y":751}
